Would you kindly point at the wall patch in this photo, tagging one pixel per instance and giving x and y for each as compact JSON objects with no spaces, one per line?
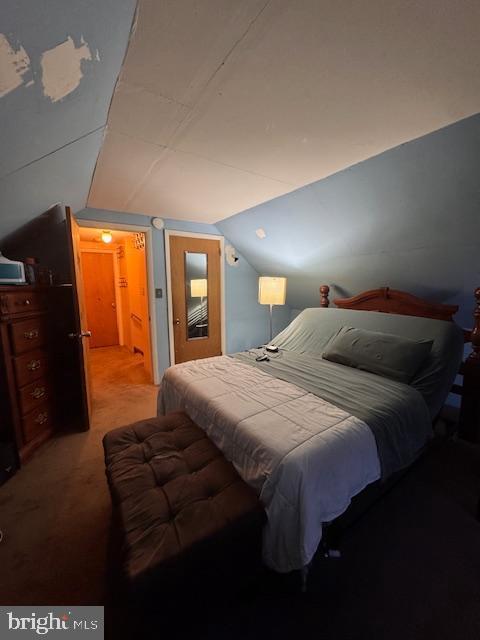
{"x":62,"y":68}
{"x":13,"y":66}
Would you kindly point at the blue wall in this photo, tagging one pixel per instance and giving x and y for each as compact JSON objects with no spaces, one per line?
{"x":49,"y":149}
{"x":408,"y":218}
{"x":247,"y":322}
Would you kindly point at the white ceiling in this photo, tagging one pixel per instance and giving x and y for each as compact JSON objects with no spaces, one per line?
{"x":223,"y":104}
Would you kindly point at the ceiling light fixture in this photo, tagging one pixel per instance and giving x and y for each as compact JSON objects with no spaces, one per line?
{"x":107,"y":237}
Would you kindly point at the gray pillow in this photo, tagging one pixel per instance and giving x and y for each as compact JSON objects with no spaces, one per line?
{"x":381,"y":353}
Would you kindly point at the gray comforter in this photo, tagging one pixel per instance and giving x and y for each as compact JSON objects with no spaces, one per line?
{"x":399,"y":415}
{"x":395,"y":412}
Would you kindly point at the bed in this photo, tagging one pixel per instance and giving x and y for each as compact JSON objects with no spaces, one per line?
{"x":309,"y":434}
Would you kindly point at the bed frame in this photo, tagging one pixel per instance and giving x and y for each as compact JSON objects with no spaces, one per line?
{"x":389,"y":300}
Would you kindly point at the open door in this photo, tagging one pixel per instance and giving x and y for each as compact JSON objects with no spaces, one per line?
{"x":81,"y":334}
{"x":51,"y":238}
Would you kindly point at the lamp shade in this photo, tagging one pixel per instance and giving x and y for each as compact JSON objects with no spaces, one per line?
{"x":198,"y":288}
{"x":272,"y":290}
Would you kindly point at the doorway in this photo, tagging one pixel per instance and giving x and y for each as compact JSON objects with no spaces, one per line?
{"x":116,"y":287}
{"x":195,"y":287}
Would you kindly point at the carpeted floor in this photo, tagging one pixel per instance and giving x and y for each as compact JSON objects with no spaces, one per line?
{"x":55,"y":512}
{"x":410,"y":568}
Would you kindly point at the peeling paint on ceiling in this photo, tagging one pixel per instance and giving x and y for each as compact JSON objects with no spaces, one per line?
{"x":62,"y":68}
{"x":13,"y":66}
{"x":221,"y":106}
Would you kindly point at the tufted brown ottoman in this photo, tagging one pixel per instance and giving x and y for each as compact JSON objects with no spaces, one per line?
{"x":186,"y":516}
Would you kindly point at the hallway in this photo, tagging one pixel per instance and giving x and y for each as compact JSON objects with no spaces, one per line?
{"x":55,"y":512}
{"x":121,"y":392}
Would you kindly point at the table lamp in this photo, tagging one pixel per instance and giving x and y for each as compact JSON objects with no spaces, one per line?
{"x":198,"y":288}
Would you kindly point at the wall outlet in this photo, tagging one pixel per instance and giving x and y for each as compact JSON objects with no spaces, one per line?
{"x":158,"y":293}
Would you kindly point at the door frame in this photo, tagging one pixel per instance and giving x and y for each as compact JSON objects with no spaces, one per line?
{"x":152,"y":311}
{"x":118,"y":302}
{"x":203,"y":236}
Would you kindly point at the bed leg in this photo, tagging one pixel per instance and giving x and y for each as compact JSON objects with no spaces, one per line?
{"x":304,"y":576}
{"x":469,"y":426}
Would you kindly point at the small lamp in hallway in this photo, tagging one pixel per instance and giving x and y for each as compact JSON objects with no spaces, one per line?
{"x":272,"y":290}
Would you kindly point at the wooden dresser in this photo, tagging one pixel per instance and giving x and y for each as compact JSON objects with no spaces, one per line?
{"x":26,"y":402}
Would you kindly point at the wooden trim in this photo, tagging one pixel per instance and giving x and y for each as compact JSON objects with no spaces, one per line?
{"x":469,"y":425}
{"x":475,"y":332}
{"x":78,"y":303}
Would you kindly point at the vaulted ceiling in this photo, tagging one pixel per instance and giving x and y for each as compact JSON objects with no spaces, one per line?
{"x":224,"y":105}
{"x":221,"y":104}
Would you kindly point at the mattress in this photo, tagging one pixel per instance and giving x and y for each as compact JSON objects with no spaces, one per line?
{"x":304,"y":457}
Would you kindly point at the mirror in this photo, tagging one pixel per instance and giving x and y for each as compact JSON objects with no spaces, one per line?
{"x":196,"y":287}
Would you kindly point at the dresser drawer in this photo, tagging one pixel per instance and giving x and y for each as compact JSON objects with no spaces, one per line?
{"x":31,"y":366}
{"x":33,"y":395}
{"x":22,"y":301}
{"x":37,"y":421}
{"x":28,"y":334}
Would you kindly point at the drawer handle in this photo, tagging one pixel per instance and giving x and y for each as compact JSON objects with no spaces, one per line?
{"x":30,"y":335}
{"x":41,"y":418}
{"x":33,"y":365}
{"x":38,"y":392}
{"x":26,"y":301}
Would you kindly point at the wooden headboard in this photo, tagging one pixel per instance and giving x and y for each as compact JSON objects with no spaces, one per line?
{"x":389,"y":300}
{"x":392,"y":301}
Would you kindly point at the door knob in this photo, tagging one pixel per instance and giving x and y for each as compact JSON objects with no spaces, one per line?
{"x":177,"y":320}
{"x":114,"y":306}
{"x":82,"y":334}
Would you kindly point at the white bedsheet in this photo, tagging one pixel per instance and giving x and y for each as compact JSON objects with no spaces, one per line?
{"x":305,"y":457}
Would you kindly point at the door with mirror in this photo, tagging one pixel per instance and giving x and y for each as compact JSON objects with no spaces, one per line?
{"x":196,"y":297}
